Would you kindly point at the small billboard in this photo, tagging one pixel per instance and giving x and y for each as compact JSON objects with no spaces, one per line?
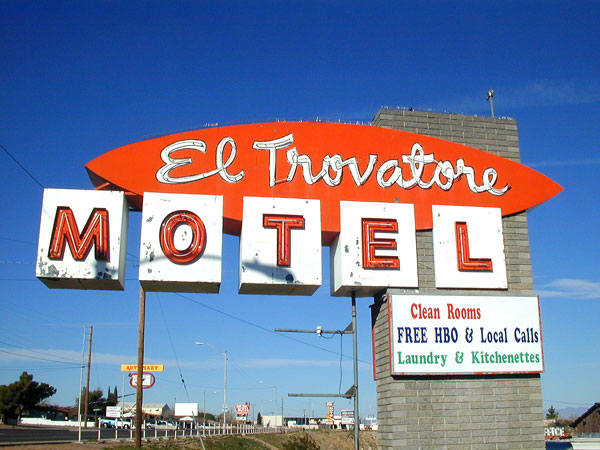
{"x":113,"y":411}
{"x":186,"y":409}
{"x":347,"y":417}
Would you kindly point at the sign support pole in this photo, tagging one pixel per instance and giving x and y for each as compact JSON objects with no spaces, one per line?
{"x":353,"y":391}
{"x":87,"y":386}
{"x":355,"y":351}
{"x":80,"y":385}
{"x":140,"y":370}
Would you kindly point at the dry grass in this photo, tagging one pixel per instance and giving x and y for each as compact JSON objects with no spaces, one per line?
{"x":325,"y":439}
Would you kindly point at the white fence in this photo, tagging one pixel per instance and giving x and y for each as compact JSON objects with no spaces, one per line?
{"x":200,"y":431}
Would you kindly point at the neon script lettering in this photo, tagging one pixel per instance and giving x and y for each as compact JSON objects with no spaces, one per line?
{"x":387,"y":174}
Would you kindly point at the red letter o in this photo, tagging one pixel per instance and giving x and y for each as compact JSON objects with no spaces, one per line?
{"x":167,"y":234}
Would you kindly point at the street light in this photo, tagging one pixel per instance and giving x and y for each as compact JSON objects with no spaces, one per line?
{"x":490,"y":98}
{"x":224,"y":382}
{"x":275,"y":404}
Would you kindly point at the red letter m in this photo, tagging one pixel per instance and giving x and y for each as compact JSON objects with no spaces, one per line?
{"x":94,"y":233}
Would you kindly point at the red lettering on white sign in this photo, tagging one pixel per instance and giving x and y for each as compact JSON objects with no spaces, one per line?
{"x":284,"y":225}
{"x":167,"y":234}
{"x":465,"y":262}
{"x":95,"y":233}
{"x":370,"y":244}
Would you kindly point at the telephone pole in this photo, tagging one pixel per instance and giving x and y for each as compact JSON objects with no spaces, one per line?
{"x":81,"y":384}
{"x":87,"y":384}
{"x":139,"y":398}
{"x":353,"y":391}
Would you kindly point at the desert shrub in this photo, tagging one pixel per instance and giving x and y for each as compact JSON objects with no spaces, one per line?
{"x":304,"y":442}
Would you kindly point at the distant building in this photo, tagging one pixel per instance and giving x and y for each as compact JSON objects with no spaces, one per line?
{"x":149,"y":409}
{"x":46,"y":412}
{"x":589,"y":421}
{"x":272,"y":421}
{"x":304,"y":422}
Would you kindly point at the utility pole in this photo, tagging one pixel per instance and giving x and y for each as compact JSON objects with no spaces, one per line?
{"x":225,"y":393}
{"x":353,"y":391}
{"x":81,"y":384}
{"x":224,"y":353}
{"x":140,"y":370}
{"x":87,"y":384}
{"x":355,"y":351}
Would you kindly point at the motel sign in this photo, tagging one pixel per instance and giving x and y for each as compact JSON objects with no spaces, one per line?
{"x":287,"y":189}
{"x":280,"y":244}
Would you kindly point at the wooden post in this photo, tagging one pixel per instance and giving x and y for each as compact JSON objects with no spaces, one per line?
{"x":87,"y":385}
{"x":140,"y":370}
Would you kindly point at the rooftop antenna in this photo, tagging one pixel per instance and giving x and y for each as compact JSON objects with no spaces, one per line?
{"x":490,"y":97}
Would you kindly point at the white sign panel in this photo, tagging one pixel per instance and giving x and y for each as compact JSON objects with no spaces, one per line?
{"x":113,"y":411}
{"x":280,"y":246}
{"x":376,"y":248}
{"x":468,"y":247}
{"x":464,"y":335}
{"x":83,"y":239}
{"x":347,"y":417}
{"x":181,"y":243}
{"x":186,"y":409}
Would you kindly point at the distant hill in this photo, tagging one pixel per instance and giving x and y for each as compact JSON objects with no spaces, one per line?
{"x":573,"y":412}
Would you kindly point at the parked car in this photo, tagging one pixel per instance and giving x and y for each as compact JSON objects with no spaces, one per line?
{"x":160,"y":425}
{"x":112,"y":423}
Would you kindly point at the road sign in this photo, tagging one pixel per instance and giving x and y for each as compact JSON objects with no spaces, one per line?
{"x":148,"y":380}
{"x":242,"y":409}
{"x":146,"y":367}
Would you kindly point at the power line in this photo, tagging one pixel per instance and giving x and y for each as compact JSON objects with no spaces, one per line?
{"x":260,"y":327}
{"x":37,"y":351}
{"x":37,"y":359}
{"x":29,"y":369}
{"x":21,"y":166}
{"x":173,"y":348}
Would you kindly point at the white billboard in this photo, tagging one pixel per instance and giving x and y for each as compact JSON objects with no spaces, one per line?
{"x":186,"y":409}
{"x":442,"y":335}
{"x":113,"y":411}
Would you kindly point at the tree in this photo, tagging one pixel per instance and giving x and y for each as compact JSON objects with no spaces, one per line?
{"x":230,"y":417}
{"x":21,"y":395}
{"x":96,"y":400}
{"x":112,"y":397}
{"x":552,"y":413}
{"x":259,"y":419}
{"x":209,"y":417}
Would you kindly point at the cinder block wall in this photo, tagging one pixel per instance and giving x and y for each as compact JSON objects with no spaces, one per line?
{"x":459,"y":412}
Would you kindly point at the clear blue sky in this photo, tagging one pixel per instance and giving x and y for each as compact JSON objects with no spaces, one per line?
{"x":80,"y":78}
